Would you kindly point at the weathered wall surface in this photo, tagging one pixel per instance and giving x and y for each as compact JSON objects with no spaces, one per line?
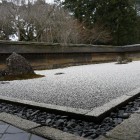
{"x":43,"y":55}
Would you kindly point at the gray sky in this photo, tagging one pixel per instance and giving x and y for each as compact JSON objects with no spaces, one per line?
{"x":48,"y":1}
{"x":51,"y":1}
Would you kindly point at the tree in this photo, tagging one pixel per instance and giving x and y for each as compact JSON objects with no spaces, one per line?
{"x":117,"y":16}
{"x":96,"y":35}
{"x":83,"y":10}
{"x":90,"y":32}
{"x":37,"y":21}
{"x":6,"y":22}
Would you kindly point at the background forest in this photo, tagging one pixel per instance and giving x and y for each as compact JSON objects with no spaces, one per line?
{"x":115,"y":22}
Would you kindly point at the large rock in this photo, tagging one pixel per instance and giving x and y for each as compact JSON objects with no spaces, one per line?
{"x":18,"y":65}
{"x":119,"y":60}
{"x":123,"y":60}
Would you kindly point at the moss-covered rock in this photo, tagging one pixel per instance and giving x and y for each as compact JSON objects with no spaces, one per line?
{"x":18,"y":65}
{"x":17,"y":68}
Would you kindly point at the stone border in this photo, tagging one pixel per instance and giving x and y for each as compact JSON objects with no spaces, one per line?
{"x":101,"y":111}
{"x":96,"y":113}
{"x":17,"y":121}
{"x":45,"y":106}
{"x":32,"y":127}
{"x":128,"y":130}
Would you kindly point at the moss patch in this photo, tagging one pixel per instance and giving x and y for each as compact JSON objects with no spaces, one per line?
{"x":20,"y":77}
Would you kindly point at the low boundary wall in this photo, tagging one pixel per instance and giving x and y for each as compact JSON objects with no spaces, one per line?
{"x":45,"y":55}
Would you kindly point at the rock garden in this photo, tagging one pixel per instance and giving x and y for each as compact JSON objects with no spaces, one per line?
{"x":89,"y":128}
{"x":18,"y":68}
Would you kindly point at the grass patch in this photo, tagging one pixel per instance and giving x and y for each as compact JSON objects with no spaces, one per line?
{"x":20,"y":77}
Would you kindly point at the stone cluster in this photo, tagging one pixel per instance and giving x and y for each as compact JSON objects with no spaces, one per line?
{"x":16,"y":65}
{"x":123,"y":60}
{"x":87,"y":129}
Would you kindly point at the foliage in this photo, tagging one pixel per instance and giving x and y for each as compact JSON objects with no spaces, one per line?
{"x":117,"y":16}
{"x":83,"y":10}
{"x":120,"y":17}
{"x":88,"y":21}
{"x":37,"y":21}
{"x":6,"y":22}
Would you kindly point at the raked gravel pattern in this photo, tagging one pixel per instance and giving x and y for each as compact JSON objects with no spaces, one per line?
{"x":85,"y":87}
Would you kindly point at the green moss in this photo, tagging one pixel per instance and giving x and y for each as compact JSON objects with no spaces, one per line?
{"x":20,"y":77}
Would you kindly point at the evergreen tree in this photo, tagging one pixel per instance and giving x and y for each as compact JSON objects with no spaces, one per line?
{"x":83,"y":10}
{"x":118,"y":16}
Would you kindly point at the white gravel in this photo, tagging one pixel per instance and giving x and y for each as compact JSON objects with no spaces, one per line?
{"x":83,"y":87}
